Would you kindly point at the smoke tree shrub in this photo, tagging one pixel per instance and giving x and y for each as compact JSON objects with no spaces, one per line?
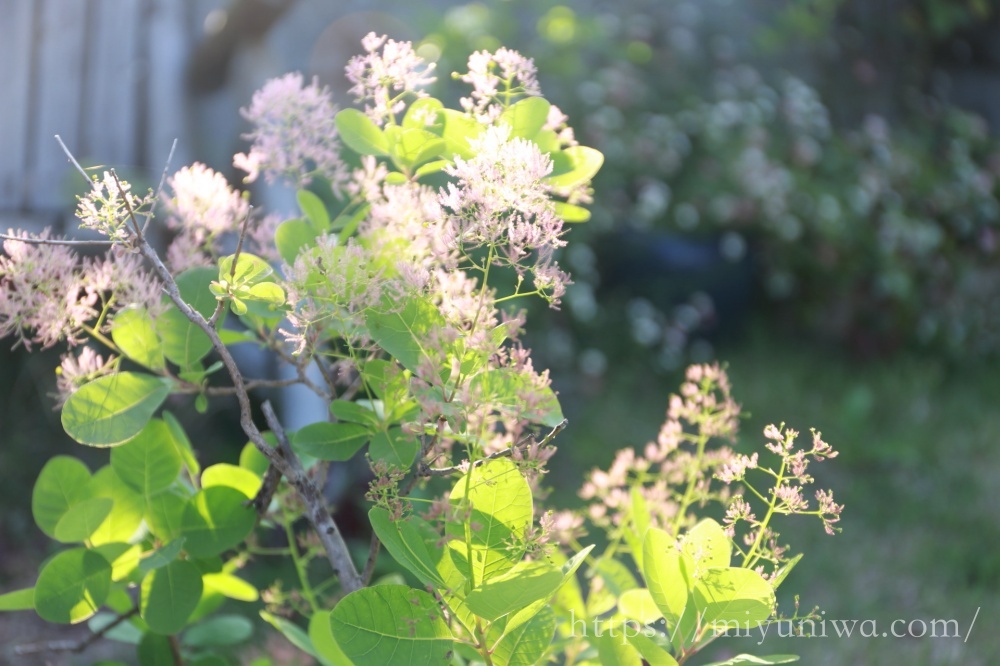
{"x":386,"y":289}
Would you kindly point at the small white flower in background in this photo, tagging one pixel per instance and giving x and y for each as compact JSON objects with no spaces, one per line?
{"x":385,"y":74}
{"x":105,"y":208}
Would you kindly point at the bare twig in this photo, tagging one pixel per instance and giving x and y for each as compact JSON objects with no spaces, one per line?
{"x":58,"y":241}
{"x":326,"y":528}
{"x":424,"y":470}
{"x":75,"y":647}
{"x":268,"y":487}
{"x":159,"y":188}
{"x":83,"y":172}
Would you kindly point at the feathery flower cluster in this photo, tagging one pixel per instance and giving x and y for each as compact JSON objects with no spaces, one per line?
{"x":497,"y":80}
{"x":106,"y":207}
{"x":385,"y":74}
{"x":500,"y":200}
{"x":47,"y":295}
{"x":294,"y":136}
{"x":785,"y":497}
{"x":676,"y":471}
{"x":41,"y":300}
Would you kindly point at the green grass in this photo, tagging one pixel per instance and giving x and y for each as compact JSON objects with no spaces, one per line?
{"x":919,"y":444}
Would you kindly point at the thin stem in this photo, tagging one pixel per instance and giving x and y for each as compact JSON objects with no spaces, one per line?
{"x":76,"y":647}
{"x":59,"y":241}
{"x":748,"y":558}
{"x":300,"y":566}
{"x":693,"y":474}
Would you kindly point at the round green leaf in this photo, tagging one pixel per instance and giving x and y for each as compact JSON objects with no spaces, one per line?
{"x":155,"y":650}
{"x":113,"y":409}
{"x":573,"y":166}
{"x":391,"y":624}
{"x":330,"y":441}
{"x":72,"y":586}
{"x":314,"y":209}
{"x":525,"y":644}
{"x":527,"y":117}
{"x":360,"y":134}
{"x":293,"y":235}
{"x":182,"y":443}
{"x":18,"y":600}
{"x":395,"y":447}
{"x":127,"y":512}
{"x":707,"y":545}
{"x":733,"y":594}
{"x":501,"y":511}
{"x":82,"y":519}
{"x":169,"y":596}
{"x":253,"y":460}
{"x":216,"y":519}
{"x":63,"y":482}
{"x":184,"y":343}
{"x":164,"y":513}
{"x":150,"y":462}
{"x":219,"y":630}
{"x":667,"y":572}
{"x":224,"y":474}
{"x":135,"y":335}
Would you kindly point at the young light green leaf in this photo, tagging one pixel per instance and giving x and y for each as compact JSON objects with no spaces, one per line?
{"x":613,"y":648}
{"x":182,"y":444}
{"x":404,"y":541}
{"x":431,"y":167}
{"x":707,"y":545}
{"x":113,"y":409}
{"x":732,"y":594}
{"x":63,"y":482}
{"x":184,"y":344}
{"x":72,"y":586}
{"x":230,"y":586}
{"x":129,"y":507}
{"x":216,"y":519}
{"x":397,"y":448}
{"x":497,"y":499}
{"x":249,"y":269}
{"x":267,"y":292}
{"x":416,"y":146}
{"x":651,"y":651}
{"x":134,"y":333}
{"x":525,"y":583}
{"x":571,"y":212}
{"x":124,"y":559}
{"x":525,"y":644}
{"x":459,"y":130}
{"x":667,"y":573}
{"x":314,"y":209}
{"x":321,"y":635}
{"x":253,"y":460}
{"x":150,"y":462}
{"x":169,"y":596}
{"x":638,"y":605}
{"x":330,"y":441}
{"x":389,"y":625}
{"x":224,"y":474}
{"x":82,"y":519}
{"x":18,"y":600}
{"x":527,"y":117}
{"x":574,"y":166}
{"x":360,"y":134}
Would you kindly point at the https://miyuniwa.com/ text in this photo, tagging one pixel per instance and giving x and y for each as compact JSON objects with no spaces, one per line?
{"x":815,"y":627}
